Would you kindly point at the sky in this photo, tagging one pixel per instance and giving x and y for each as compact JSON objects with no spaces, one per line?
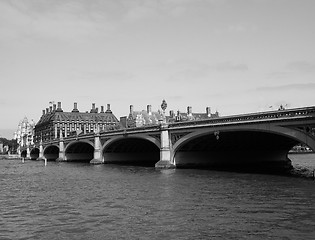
{"x":235,"y":56}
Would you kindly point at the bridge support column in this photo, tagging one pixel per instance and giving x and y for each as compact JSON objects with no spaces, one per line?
{"x":97,"y":150}
{"x":62,"y":156}
{"x":165,"y":151}
{"x":41,"y":151}
{"x":28,"y":153}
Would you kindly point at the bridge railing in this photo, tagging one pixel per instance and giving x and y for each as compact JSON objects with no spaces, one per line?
{"x":280,"y":114}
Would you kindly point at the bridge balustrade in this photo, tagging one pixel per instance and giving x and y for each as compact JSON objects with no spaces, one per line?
{"x":251,"y":117}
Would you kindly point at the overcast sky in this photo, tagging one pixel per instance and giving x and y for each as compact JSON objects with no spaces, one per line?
{"x":236,"y":56}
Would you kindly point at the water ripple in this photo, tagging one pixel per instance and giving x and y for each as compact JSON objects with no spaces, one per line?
{"x":80,"y":201}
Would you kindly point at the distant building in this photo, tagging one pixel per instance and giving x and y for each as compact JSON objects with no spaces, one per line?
{"x":24,"y":135}
{"x":149,"y":117}
{"x":141,"y":118}
{"x":55,"y":121}
{"x":190,"y":116}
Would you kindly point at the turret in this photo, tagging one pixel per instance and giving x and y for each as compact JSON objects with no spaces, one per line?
{"x":149,"y":109}
{"x":131,"y":109}
{"x":208,"y":111}
{"x":189,"y":111}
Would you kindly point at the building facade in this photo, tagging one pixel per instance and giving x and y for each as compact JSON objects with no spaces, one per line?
{"x":24,"y":135}
{"x":54,"y":122}
{"x":191,"y":116}
{"x":149,"y":117}
{"x":141,"y":118}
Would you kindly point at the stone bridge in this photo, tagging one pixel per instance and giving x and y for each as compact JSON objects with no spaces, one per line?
{"x":250,"y":140}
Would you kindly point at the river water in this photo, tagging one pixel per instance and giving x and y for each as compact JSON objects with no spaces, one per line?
{"x":83,"y":201}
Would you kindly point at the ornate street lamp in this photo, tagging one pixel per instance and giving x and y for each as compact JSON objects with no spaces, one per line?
{"x":163,"y":106}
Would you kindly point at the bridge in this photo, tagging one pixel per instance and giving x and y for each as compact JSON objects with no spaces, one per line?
{"x":249,"y":140}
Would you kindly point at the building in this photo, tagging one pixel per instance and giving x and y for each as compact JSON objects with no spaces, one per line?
{"x":24,"y":135}
{"x":54,"y":121}
{"x":141,"y":118}
{"x":190,"y":116}
{"x":149,"y":117}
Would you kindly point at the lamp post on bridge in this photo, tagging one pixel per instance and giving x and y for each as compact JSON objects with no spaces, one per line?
{"x":97,"y":147}
{"x":165,"y":150}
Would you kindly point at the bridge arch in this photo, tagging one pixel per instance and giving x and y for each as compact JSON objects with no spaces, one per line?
{"x":81,"y":151}
{"x":134,"y":150}
{"x":261,"y":146}
{"x":24,"y":153}
{"x":34,"y":153}
{"x":51,"y":152}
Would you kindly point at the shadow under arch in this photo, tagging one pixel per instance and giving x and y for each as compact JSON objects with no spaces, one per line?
{"x":24,"y":154}
{"x":79,"y":151}
{"x":140,"y":151}
{"x":51,"y":152}
{"x":34,"y":153}
{"x":241,"y":147}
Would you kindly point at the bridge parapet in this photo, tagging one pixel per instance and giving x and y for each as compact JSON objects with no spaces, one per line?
{"x":262,"y":116}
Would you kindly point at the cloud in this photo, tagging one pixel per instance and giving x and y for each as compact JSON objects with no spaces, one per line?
{"x":145,"y":9}
{"x":3,"y":101}
{"x":228,"y":67}
{"x":189,"y":70}
{"x":296,"y":86}
{"x":241,"y":28}
{"x":300,"y":66}
{"x":117,"y":76}
{"x":67,"y":20}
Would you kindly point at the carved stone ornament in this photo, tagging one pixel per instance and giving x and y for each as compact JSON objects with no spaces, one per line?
{"x":164,"y":105}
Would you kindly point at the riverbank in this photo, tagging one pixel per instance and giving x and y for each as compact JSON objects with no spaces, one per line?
{"x":303,"y":164}
{"x":12,"y":156}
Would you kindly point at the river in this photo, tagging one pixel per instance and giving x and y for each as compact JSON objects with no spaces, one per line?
{"x":82,"y":201}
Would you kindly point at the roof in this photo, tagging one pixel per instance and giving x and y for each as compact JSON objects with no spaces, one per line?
{"x":152,"y":118}
{"x":194,"y":116}
{"x":77,"y":116}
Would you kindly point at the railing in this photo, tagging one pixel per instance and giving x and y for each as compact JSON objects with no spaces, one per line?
{"x":280,"y":114}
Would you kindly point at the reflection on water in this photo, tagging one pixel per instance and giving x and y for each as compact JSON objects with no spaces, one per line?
{"x":81,"y":201}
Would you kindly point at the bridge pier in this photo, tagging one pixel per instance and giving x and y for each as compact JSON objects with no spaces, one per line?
{"x":41,"y":151}
{"x":28,"y":153}
{"x":165,"y":150}
{"x":97,"y":150}
{"x":62,"y":156}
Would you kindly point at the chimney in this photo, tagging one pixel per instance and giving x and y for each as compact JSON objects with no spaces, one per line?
{"x":189,"y":110}
{"x":47,"y":110}
{"x":50,"y":109}
{"x":131,"y":109}
{"x":44,"y":112}
{"x":172,"y":114}
{"x":102,"y":109}
{"x":149,"y":109}
{"x":75,"y":107}
{"x":59,"y":109}
{"x":208,"y":111}
{"x":54,"y":107}
{"x":93,"y":110}
{"x":96,"y":109}
{"x":108,"y":109}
